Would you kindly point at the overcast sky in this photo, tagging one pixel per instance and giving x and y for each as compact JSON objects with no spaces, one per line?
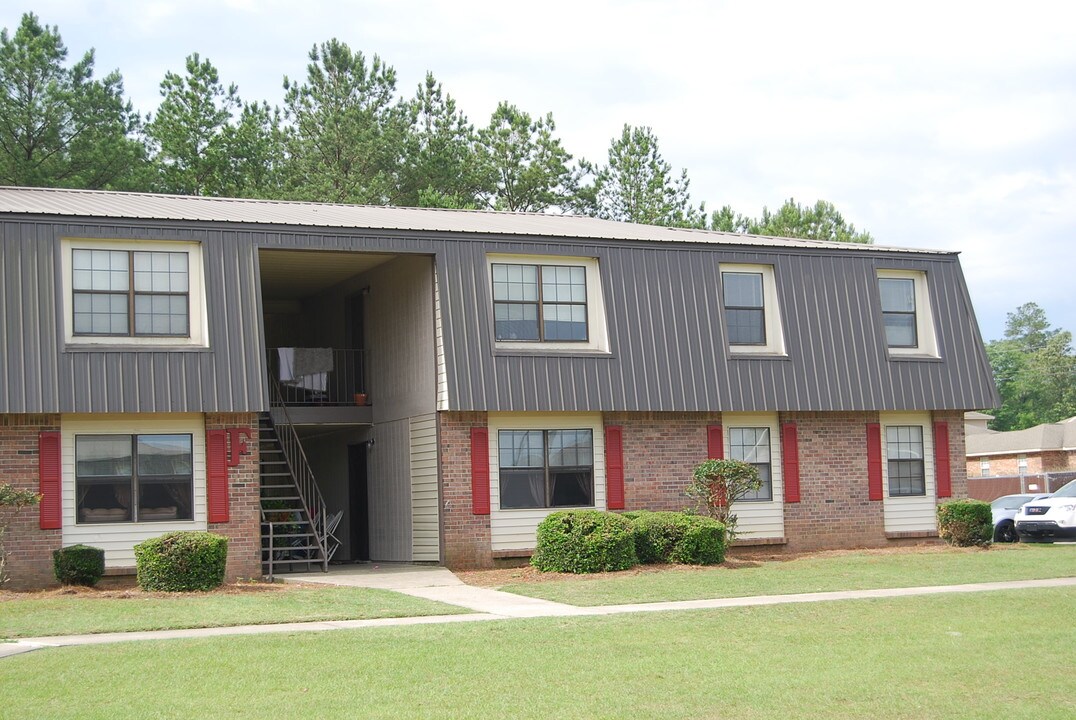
{"x":930,"y":124}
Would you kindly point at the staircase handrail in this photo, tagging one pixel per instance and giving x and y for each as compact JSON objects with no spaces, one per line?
{"x":299,"y":467}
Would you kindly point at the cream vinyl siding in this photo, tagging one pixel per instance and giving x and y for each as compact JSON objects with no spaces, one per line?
{"x":118,"y":539}
{"x":515,"y":529}
{"x":425,"y":530}
{"x":759,"y":519}
{"x":439,"y":346}
{"x":916,"y":513}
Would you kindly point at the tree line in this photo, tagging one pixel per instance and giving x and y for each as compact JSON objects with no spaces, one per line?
{"x":344,"y":134}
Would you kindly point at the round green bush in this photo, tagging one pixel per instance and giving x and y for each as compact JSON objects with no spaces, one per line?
{"x":677,"y":537}
{"x":965,"y":523}
{"x":584,"y":541}
{"x":182,"y":561}
{"x":78,"y":565}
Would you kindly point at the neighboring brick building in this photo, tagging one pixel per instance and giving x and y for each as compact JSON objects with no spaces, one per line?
{"x":397,"y":384}
{"x":1037,"y":459}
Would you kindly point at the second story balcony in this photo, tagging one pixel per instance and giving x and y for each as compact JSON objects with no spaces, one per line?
{"x":319,"y":377}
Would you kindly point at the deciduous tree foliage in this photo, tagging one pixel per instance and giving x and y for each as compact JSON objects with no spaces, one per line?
{"x":1035,"y":371}
{"x":60,"y":127}
{"x":347,"y":131}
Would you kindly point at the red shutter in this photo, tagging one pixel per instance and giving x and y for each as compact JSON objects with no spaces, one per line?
{"x":216,"y":475}
{"x":479,"y":471}
{"x":942,"y":469}
{"x":715,"y":445}
{"x":614,"y":467}
{"x":48,"y":468}
{"x":790,"y":462}
{"x":874,"y":461}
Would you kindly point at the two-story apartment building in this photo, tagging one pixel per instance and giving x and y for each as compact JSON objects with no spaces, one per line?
{"x":394,"y":384}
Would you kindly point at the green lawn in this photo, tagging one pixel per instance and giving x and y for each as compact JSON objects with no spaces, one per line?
{"x":984,"y":655}
{"x":818,"y":573}
{"x":36,"y":615}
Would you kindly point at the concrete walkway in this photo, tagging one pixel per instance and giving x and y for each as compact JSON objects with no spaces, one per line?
{"x":441,"y":585}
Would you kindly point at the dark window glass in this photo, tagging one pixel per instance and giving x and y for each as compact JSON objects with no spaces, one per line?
{"x":904,"y":453}
{"x":745,"y":311}
{"x":539,"y":302}
{"x":898,"y":311}
{"x":109,"y":299}
{"x":752,"y":445}
{"x":546,"y":468}
{"x":141,"y":478}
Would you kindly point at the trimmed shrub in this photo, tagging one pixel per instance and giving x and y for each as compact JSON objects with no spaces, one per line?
{"x":78,"y":565}
{"x":584,"y":541}
{"x":677,"y":538}
{"x":182,"y":561}
{"x":965,"y":522}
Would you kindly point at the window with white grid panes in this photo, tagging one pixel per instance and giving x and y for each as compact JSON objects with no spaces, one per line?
{"x":752,"y":445}
{"x":539,"y":303}
{"x":904,"y":455}
{"x":546,"y":468}
{"x":130,"y":293}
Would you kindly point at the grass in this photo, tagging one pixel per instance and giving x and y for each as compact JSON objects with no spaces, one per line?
{"x":814,"y":573}
{"x":981,"y":655}
{"x":38,"y":614}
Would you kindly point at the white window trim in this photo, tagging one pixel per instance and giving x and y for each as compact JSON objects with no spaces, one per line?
{"x":759,"y":518}
{"x":910,"y":513}
{"x":199,"y":324}
{"x":924,"y":316}
{"x":515,"y":529}
{"x":118,"y":539}
{"x":597,"y":328}
{"x":771,"y":312}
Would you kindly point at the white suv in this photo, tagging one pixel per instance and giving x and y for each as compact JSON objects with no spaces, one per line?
{"x":1049,"y":519}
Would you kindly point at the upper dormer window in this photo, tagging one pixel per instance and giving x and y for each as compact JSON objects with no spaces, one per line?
{"x":133,"y":293}
{"x":547,"y":304}
{"x":540,"y":302}
{"x":906,"y":315}
{"x":752,"y":316}
{"x":130,"y":293}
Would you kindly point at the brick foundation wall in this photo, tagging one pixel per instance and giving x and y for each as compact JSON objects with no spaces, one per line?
{"x":243,"y":528}
{"x":29,"y":548}
{"x":467,"y":542}
{"x":660,"y":451}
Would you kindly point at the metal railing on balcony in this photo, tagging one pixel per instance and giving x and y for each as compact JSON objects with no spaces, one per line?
{"x":319,"y":376}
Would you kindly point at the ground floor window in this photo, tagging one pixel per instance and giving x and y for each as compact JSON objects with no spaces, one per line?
{"x":546,"y":468}
{"x":904,"y":455}
{"x":134,"y":478}
{"x":752,"y":445}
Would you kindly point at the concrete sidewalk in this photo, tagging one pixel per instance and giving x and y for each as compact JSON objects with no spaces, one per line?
{"x":496,"y":605}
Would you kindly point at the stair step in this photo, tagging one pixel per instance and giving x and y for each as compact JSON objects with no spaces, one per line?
{"x":288,"y":486}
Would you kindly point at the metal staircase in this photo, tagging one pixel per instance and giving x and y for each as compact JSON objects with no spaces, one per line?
{"x":293,"y":519}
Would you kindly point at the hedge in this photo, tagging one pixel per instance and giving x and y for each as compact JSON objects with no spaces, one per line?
{"x":965,"y":522}
{"x":584,"y":541}
{"x":182,"y":561}
{"x":78,"y":565}
{"x":675,"y":537}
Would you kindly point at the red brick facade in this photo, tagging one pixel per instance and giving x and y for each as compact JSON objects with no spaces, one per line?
{"x":29,"y":548}
{"x":243,"y":528}
{"x":660,"y":450}
{"x":1049,"y":461}
{"x":467,"y":542}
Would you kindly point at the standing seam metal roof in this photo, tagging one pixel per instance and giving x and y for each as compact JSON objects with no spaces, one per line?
{"x":147,"y":206}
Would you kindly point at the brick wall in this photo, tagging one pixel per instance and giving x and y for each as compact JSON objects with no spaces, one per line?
{"x":1037,"y":463}
{"x":467,"y":542}
{"x":243,"y":528}
{"x":834,"y":510}
{"x":660,"y":451}
{"x":957,"y":450}
{"x":29,"y":548}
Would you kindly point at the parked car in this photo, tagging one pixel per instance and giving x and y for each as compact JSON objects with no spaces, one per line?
{"x":1049,"y":519}
{"x":1003,"y":510}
